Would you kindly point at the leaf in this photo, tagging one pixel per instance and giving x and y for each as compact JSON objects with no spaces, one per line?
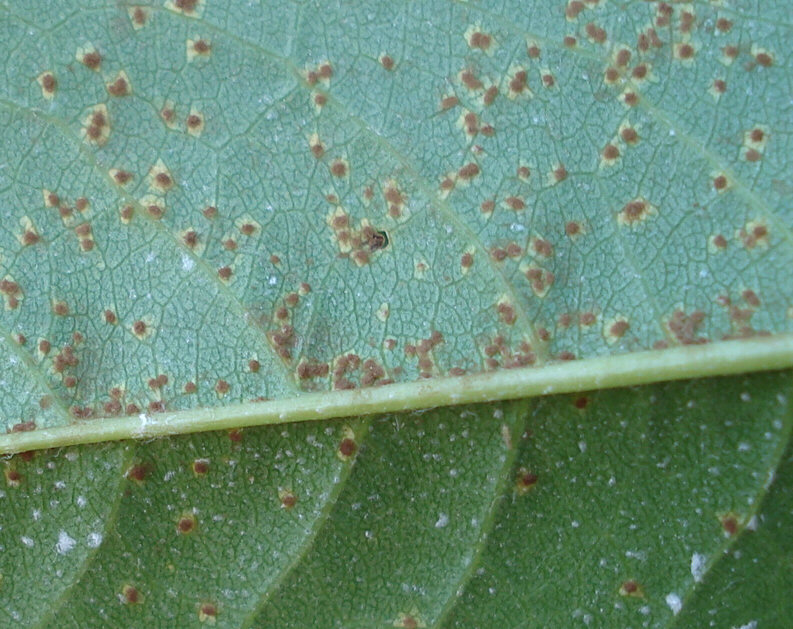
{"x":207,"y":204}
{"x":531,"y":513}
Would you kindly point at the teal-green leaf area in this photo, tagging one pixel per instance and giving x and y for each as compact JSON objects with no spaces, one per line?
{"x":207,"y":203}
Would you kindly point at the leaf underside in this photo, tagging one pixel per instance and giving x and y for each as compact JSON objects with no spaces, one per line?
{"x":208,"y":203}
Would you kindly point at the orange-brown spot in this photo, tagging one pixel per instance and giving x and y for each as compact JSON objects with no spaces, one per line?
{"x":339,"y":168}
{"x":186,"y":524}
{"x":92,"y":60}
{"x":596,"y":33}
{"x":449,"y":101}
{"x":208,"y":612}
{"x":469,"y":171}
{"x":347,"y":447}
{"x":201,"y":47}
{"x":119,"y":87}
{"x":130,"y":594}
{"x":469,"y":79}
{"x":684,"y":51}
{"x":490,"y":95}
{"x":573,"y":9}
{"x":200,"y":467}
{"x":387,"y":62}
{"x":525,"y":480}
{"x":480,"y":40}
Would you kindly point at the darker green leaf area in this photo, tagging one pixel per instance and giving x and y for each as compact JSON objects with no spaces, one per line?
{"x":752,"y":582}
{"x":608,"y":509}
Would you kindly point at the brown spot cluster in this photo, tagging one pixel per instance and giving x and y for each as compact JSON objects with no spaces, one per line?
{"x":310,"y":370}
{"x":349,"y":368}
{"x":478,"y":39}
{"x":506,"y":311}
{"x":540,"y":279}
{"x":423,"y":350}
{"x":684,"y":327}
{"x":394,"y":198}
{"x":498,"y":354}
{"x":12,"y":293}
{"x":595,"y":33}
{"x":753,"y":234}
{"x":283,"y":340}
{"x":359,"y":244}
{"x":519,"y":83}
{"x":319,"y":74}
{"x":499,"y":254}
{"x":741,"y":317}
{"x":120,"y":85}
{"x":85,"y":236}
{"x":96,"y":126}
{"x":469,"y":79}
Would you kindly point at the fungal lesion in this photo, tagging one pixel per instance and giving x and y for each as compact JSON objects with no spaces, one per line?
{"x":96,"y":125}
{"x":358,"y":243}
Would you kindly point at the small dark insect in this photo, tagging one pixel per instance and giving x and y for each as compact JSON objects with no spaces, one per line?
{"x":378,"y":240}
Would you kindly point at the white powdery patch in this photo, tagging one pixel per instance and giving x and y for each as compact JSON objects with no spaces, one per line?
{"x":752,"y":624}
{"x":443,"y":520}
{"x":187,"y":262}
{"x":674,"y":602}
{"x":65,"y":543}
{"x":94,"y":539}
{"x":698,"y":566}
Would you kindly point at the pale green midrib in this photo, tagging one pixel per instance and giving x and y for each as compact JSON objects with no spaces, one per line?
{"x":500,"y":493}
{"x":242,"y":313}
{"x":757,"y":504}
{"x":677,"y":363}
{"x":432,"y":197}
{"x":362,"y":434}
{"x":109,"y":521}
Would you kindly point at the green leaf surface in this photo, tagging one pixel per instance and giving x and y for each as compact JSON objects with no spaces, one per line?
{"x":520,"y":514}
{"x":223,"y":214}
{"x":208,"y":203}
